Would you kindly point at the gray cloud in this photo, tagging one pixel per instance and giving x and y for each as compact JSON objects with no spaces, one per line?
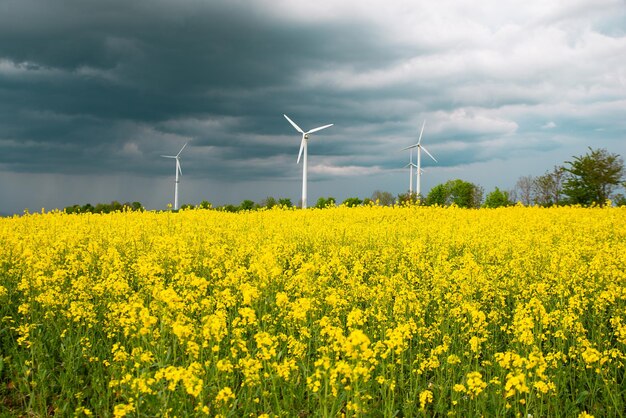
{"x":91,"y":89}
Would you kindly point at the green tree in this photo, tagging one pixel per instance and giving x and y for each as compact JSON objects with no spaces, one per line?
{"x":408,"y":198}
{"x":465,"y":194}
{"x":592,"y":178}
{"x":88,"y":207}
{"x":383,"y":198}
{"x":438,"y":195}
{"x":461,"y":193}
{"x":246,"y":205}
{"x":72,"y":209}
{"x":102,"y":208}
{"x":324,"y":202}
{"x":205,"y":204}
{"x":497,"y":198}
{"x":352,"y":202}
{"x":115,"y":206}
{"x":269,"y":202}
{"x":285,"y":202}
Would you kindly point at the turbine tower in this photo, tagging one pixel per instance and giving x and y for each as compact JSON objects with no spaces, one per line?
{"x":419,"y":159}
{"x":178,"y":171}
{"x":410,"y":165}
{"x":303,"y":149}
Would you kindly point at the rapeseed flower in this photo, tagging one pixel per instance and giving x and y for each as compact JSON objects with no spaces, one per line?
{"x":365,"y":311}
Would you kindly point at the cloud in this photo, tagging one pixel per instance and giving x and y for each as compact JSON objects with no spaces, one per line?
{"x":327,"y":170}
{"x":89,"y":88}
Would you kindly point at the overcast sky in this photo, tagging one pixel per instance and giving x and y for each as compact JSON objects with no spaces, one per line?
{"x":93,"y":92}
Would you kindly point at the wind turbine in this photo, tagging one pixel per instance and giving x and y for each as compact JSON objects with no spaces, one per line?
{"x":410,"y":165}
{"x":178,"y":170}
{"x":303,"y":149}
{"x":419,"y":158}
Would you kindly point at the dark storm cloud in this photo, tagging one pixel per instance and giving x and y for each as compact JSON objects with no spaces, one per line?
{"x":98,"y":87}
{"x":79,"y":71}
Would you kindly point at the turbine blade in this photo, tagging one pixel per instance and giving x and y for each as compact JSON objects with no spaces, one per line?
{"x":168,"y":156}
{"x":421,"y":132}
{"x":320,"y":128}
{"x":181,"y":150}
{"x":301,"y":148}
{"x":412,"y":146}
{"x":293,"y":124}
{"x":178,"y":167}
{"x":429,"y":154}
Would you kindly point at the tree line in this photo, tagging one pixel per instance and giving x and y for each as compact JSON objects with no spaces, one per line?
{"x":114,"y":206}
{"x":590,"y":179}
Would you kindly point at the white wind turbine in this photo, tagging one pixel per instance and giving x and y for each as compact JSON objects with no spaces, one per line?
{"x":303,"y":148}
{"x":178,"y":171}
{"x":410,"y":165}
{"x":419,"y":159}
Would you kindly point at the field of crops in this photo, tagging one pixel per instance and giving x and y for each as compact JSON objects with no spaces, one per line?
{"x":372,"y":311}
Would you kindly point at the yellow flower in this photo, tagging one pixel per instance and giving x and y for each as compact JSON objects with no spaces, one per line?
{"x":224,"y":396}
{"x":591,"y":355}
{"x":81,"y":410}
{"x":360,"y":305}
{"x":453,"y":359}
{"x":515,"y":383}
{"x":426,"y":397}
{"x":355,"y":318}
{"x":475,"y":384}
{"x":121,"y":410}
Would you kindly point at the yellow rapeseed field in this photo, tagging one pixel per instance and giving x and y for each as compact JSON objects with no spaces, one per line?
{"x":371,"y":311}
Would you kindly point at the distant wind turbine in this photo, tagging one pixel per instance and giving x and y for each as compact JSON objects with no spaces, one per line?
{"x":303,"y":149}
{"x":419,"y":159}
{"x":178,"y":171}
{"x":410,"y":165}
